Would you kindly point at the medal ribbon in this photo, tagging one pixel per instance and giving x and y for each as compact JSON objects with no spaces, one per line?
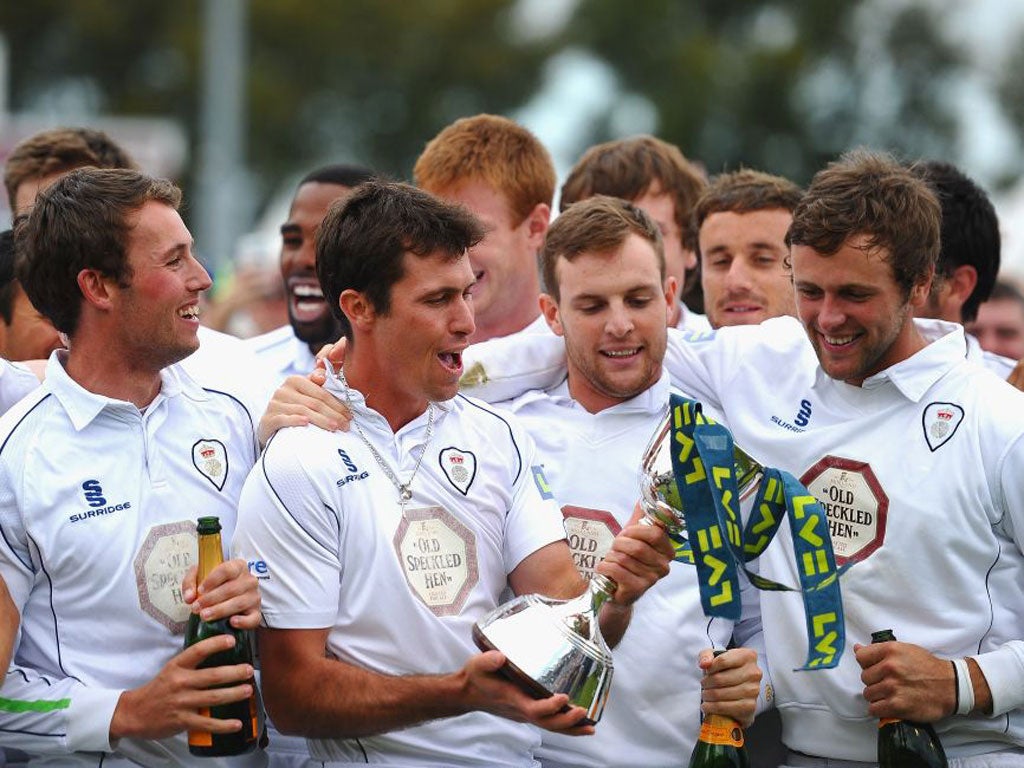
{"x":719,"y":545}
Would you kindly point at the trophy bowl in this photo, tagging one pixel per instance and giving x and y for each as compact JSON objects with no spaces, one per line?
{"x":554,"y":646}
{"x":659,"y":494}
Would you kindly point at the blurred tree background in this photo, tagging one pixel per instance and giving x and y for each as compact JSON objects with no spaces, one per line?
{"x":783,"y":86}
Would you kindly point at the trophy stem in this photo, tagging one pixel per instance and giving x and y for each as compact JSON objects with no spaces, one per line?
{"x":603,"y":589}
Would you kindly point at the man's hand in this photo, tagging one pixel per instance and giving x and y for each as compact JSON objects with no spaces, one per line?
{"x":486,"y":689}
{"x":906,"y":681}
{"x":170,"y":702}
{"x":1016,"y":377}
{"x":229,"y":590}
{"x":731,"y":684}
{"x":300,"y":401}
{"x":638,"y":557}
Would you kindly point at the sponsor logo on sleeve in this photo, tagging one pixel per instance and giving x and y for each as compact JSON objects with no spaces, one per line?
{"x":259,"y":569}
{"x":541,"y":482}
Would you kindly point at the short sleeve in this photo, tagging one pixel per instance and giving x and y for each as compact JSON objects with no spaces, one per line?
{"x":289,"y":535}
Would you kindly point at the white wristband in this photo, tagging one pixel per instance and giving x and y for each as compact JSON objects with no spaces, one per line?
{"x":964,"y":687}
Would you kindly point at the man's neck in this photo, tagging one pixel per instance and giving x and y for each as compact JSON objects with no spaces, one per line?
{"x":396,"y":407}
{"x":112,"y":376}
{"x":591,"y":399}
{"x":503,"y":325}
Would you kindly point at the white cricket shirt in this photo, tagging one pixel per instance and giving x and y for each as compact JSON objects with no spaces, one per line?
{"x":322,"y":524}
{"x":98,"y":508}
{"x":999,"y":365}
{"x":226,"y":363}
{"x":592,"y":462}
{"x":16,"y":381}
{"x":282,"y":354}
{"x":919,"y":471}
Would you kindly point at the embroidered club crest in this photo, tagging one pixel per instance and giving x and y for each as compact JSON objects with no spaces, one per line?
{"x":459,"y":467}
{"x":211,"y":459}
{"x":940,"y":422}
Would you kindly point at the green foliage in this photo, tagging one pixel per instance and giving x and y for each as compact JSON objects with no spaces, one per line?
{"x":366,"y":81}
{"x":783,"y":86}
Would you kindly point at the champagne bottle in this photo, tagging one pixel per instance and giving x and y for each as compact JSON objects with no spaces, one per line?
{"x":204,"y":743}
{"x":720,"y":743}
{"x":902,"y":743}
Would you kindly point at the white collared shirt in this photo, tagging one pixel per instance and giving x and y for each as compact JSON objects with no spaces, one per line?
{"x":98,"y":508}
{"x":227,"y":364}
{"x":919,"y":470}
{"x":592,"y":462}
{"x":933,"y":446}
{"x":691,"y":321}
{"x":400,"y":590}
{"x":999,"y":365}
{"x":282,"y":353}
{"x":16,"y":381}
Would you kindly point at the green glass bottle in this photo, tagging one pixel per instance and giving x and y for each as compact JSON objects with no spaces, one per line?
{"x":905,"y":744}
{"x":203,"y":743}
{"x":720,"y":743}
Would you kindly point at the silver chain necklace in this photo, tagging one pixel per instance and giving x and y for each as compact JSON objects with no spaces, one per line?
{"x":404,"y":489}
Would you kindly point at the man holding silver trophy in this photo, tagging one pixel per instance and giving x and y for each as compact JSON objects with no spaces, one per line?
{"x":607,"y":296}
{"x":381,"y":546}
{"x":915,"y":453}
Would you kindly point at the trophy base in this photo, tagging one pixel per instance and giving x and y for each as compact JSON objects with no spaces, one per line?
{"x":517,"y":676}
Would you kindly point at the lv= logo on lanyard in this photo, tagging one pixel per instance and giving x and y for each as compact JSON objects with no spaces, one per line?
{"x":719,"y":545}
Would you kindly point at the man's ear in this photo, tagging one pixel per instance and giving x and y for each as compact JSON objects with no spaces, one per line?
{"x":919,"y":293}
{"x":96,"y":289}
{"x":536,"y":223}
{"x":961,"y":283}
{"x":357,"y":308}
{"x":671,"y":286}
{"x":549,"y":308}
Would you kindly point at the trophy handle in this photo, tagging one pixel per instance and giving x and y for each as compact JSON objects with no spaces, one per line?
{"x":659,"y":495}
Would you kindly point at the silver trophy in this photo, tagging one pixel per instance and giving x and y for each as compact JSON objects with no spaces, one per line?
{"x":555,"y":646}
{"x":659,"y":495}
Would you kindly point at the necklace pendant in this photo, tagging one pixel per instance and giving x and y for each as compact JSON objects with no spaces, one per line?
{"x":404,"y":494}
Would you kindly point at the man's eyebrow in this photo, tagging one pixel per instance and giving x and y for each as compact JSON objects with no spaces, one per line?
{"x":290,"y":228}
{"x":183,"y":246}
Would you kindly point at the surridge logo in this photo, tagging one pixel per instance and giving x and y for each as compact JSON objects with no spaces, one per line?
{"x":93,"y":493}
{"x":352,"y":468}
{"x":349,"y":464}
{"x":803,"y":416}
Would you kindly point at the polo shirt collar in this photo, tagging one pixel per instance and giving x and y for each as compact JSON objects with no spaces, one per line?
{"x":654,"y":399}
{"x":83,"y":406}
{"x":356,"y":400}
{"x":914,"y":376}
